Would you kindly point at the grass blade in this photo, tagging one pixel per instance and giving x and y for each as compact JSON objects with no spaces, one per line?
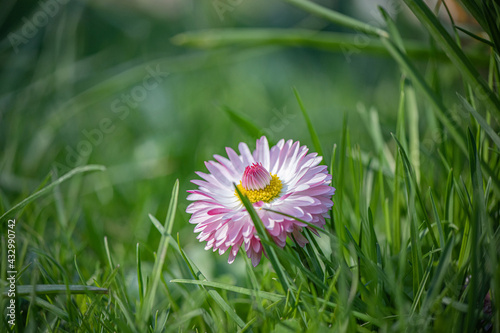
{"x":126,"y":313}
{"x":296,"y":262}
{"x":239,"y":290}
{"x":52,"y":308}
{"x":484,"y":124}
{"x":414,"y":144}
{"x":312,"y":226}
{"x":48,"y":188}
{"x":413,"y":190}
{"x":455,"y":53}
{"x":52,"y":289}
{"x":246,"y":125}
{"x":310,"y":127}
{"x":150,"y":295}
{"x":337,"y":18}
{"x":417,"y":78}
{"x":139,"y":274}
{"x":293,"y":37}
{"x":438,"y":220}
{"x":259,"y":226}
{"x":393,"y":30}
{"x":439,"y":274}
{"x":372,"y":125}
{"x":478,"y":218}
{"x":197,"y":274}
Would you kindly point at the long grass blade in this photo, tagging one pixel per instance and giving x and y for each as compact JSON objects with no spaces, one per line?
{"x":310,"y":127}
{"x":198,"y":275}
{"x":455,"y":53}
{"x":51,"y":186}
{"x":414,"y":190}
{"x":293,"y":37}
{"x":484,"y":124}
{"x":417,"y":78}
{"x":150,"y":295}
{"x":438,"y":275}
{"x":244,"y":291}
{"x":337,"y":18}
{"x":438,"y":220}
{"x":478,"y":219}
{"x":245,"y":124}
{"x":259,"y":226}
{"x":52,"y":289}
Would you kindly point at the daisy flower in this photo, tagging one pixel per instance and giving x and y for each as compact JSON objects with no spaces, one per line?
{"x":284,"y":178}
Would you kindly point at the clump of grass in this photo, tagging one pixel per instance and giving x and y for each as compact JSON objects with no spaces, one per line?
{"x":412,"y":243}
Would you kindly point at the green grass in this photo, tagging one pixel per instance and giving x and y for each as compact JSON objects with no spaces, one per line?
{"x":411,"y":138}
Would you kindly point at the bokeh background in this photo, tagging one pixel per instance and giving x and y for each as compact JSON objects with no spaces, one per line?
{"x":74,"y":90}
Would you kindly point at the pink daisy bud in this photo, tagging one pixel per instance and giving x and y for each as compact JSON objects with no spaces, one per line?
{"x":255,"y":177}
{"x":284,"y":178}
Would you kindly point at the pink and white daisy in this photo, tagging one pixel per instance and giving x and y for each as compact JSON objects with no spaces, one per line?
{"x":284,"y":178}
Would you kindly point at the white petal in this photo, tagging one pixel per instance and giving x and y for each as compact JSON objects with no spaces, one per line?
{"x":245,"y":154}
{"x":236,"y":160}
{"x":219,"y":172}
{"x":261,"y":153}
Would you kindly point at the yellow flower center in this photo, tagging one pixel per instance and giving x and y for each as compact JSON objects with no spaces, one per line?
{"x":267,"y":194}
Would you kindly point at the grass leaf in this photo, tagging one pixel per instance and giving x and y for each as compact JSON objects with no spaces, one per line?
{"x":337,"y":18}
{"x":48,"y":188}
{"x":261,"y":230}
{"x":414,"y":190}
{"x":246,"y":125}
{"x":197,"y":274}
{"x":418,"y":79}
{"x":244,"y":291}
{"x":484,"y":124}
{"x":310,"y":127}
{"x":150,"y":294}
{"x":50,"y":289}
{"x":478,"y":219}
{"x":455,"y":53}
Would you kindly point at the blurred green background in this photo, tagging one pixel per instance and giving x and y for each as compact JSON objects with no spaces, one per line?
{"x":75,"y":89}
